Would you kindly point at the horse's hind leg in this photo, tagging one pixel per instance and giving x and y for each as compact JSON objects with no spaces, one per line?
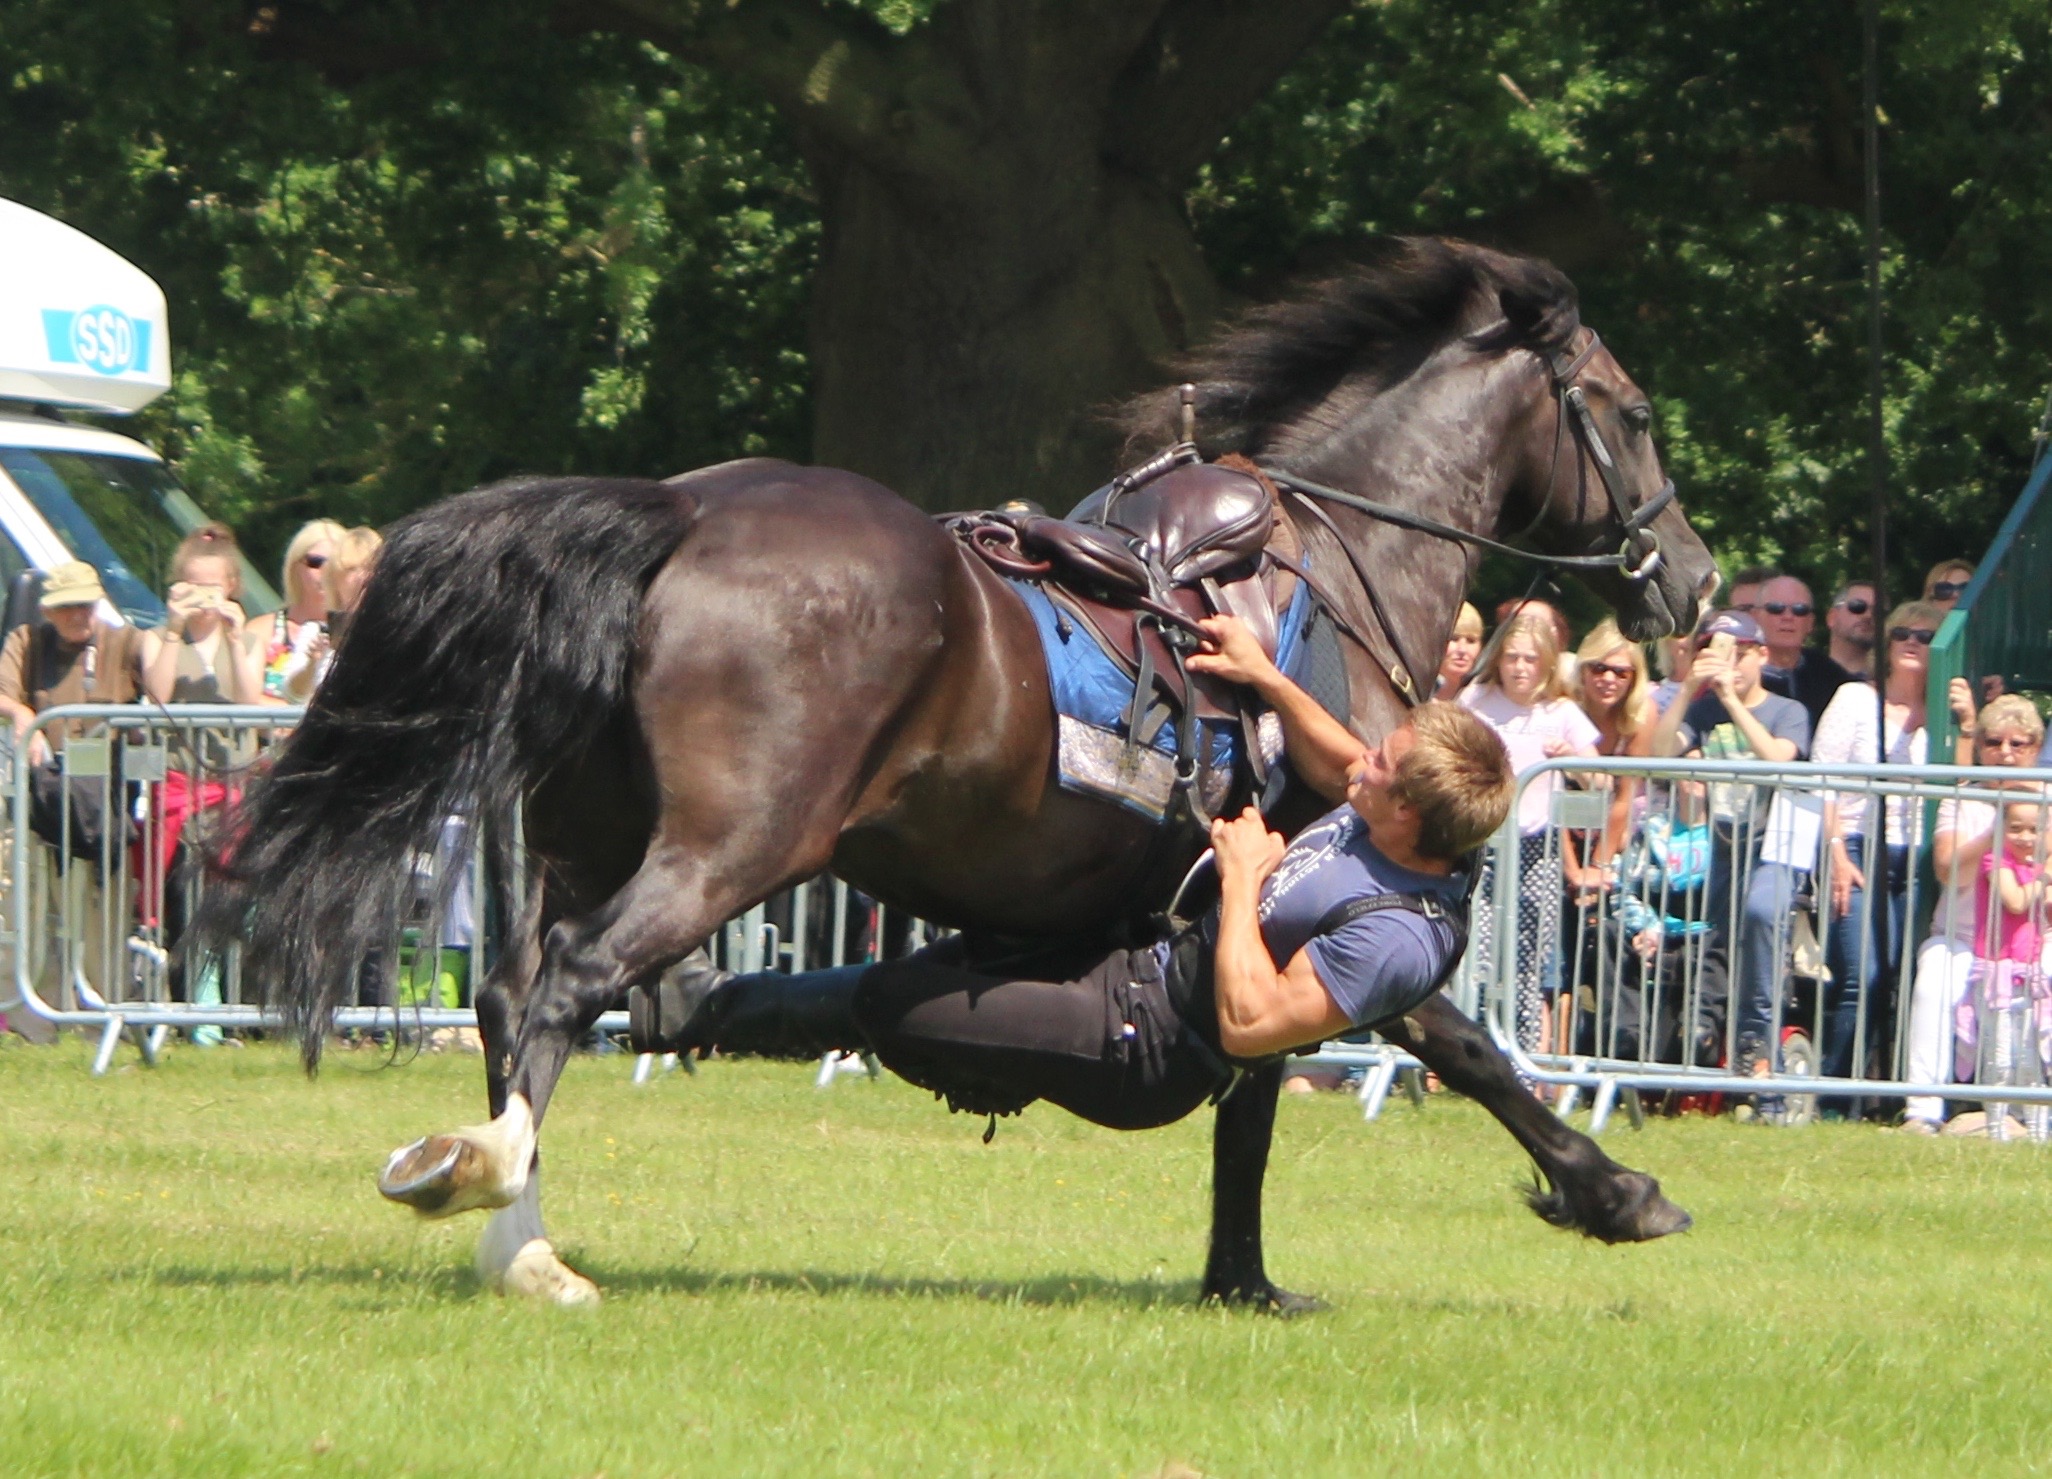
{"x":1585,"y":1189}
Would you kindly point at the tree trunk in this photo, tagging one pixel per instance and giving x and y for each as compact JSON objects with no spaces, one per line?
{"x":1006,"y":251}
{"x":964,"y":350}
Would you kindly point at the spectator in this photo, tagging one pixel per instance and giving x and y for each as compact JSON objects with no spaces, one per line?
{"x":356,"y":552}
{"x":199,"y":657}
{"x":1851,"y":624}
{"x":1611,"y":685}
{"x":1867,"y":849}
{"x":1563,"y":634}
{"x":1787,"y":616}
{"x":284,"y":644}
{"x":1462,"y":648}
{"x":70,"y":656}
{"x":2007,"y":732}
{"x":1738,"y":719}
{"x":2009,"y":949}
{"x":1946,"y":583}
{"x":1746,"y":587}
{"x":1520,"y":695}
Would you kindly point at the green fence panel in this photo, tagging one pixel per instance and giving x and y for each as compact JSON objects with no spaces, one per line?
{"x":2002,"y":626}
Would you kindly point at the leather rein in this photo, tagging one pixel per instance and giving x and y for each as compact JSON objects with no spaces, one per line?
{"x":1636,"y":558}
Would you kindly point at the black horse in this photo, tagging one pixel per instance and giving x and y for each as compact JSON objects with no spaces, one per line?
{"x":700,"y":691}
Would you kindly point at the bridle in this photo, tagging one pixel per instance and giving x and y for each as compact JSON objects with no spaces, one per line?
{"x":1637,"y":557}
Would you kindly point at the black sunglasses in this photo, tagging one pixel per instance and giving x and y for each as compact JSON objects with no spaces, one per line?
{"x":2011,"y":742}
{"x":1778,"y":608}
{"x":1922,"y":636}
{"x":313,"y":562}
{"x":1945,"y":590}
{"x":1857,"y":605}
{"x":1609,"y":669}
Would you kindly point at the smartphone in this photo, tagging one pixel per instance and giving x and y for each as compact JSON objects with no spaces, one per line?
{"x":1723,"y":644}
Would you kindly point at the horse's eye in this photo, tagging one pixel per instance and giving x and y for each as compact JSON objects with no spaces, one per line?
{"x":1639,"y":419}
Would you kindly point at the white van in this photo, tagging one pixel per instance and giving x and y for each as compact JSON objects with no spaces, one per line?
{"x":83,"y":330}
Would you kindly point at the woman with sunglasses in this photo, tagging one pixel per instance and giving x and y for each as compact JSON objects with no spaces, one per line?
{"x":1946,"y":583}
{"x":284,"y":645}
{"x":1615,"y":690}
{"x":1864,"y":850}
{"x":2007,"y":733}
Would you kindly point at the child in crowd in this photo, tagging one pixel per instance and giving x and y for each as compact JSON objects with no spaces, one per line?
{"x":2005,"y":1027}
{"x":1520,"y":694}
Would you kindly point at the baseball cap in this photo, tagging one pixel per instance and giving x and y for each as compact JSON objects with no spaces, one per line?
{"x":74,"y":583}
{"x":1733,"y":624}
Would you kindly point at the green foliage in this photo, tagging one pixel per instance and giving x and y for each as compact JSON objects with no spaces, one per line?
{"x":562,"y":254}
{"x":1697,"y":170}
{"x":491,"y":244}
{"x":201,"y":1280}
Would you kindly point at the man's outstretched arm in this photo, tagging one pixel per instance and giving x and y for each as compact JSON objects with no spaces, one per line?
{"x":1322,"y":750}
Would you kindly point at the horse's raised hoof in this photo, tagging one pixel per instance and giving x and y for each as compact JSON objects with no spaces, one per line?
{"x":1267,"y":1299}
{"x":1630,"y":1208}
{"x":481,"y":1167}
{"x":537,"y":1274}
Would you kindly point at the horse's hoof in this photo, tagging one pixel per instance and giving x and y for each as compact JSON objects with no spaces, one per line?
{"x":444,"y":1175}
{"x":1655,"y":1217}
{"x":1268,"y":1299}
{"x":537,"y":1274}
{"x":484,"y":1167}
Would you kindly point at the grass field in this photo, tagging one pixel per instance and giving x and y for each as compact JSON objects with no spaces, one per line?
{"x":200,"y":1279}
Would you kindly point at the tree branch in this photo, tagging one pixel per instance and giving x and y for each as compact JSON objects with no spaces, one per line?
{"x":839,"y":77}
{"x":1203,"y":65}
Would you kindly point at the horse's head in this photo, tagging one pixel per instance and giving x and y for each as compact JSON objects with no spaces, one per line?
{"x":1586,"y":478}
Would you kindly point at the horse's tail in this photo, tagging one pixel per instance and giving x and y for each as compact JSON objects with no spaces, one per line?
{"x":497,"y":635}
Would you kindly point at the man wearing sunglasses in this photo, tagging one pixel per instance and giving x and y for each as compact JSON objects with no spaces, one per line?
{"x":1851,"y":625}
{"x":1787,"y":615}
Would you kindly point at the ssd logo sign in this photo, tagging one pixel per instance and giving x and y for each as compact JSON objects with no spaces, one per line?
{"x":100,"y":338}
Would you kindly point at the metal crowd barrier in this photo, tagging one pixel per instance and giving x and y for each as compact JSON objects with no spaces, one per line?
{"x":95,"y":901}
{"x":1623,"y":1012}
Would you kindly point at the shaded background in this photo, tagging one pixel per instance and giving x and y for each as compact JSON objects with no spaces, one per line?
{"x":413,"y":247}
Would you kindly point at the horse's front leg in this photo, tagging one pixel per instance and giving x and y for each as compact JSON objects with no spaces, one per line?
{"x":1584,"y":1188}
{"x":1240,"y":1137}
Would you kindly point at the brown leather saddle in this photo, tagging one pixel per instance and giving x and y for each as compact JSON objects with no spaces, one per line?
{"x":1141,"y":561}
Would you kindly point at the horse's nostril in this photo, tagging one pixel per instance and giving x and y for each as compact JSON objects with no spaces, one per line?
{"x":1709,"y":587}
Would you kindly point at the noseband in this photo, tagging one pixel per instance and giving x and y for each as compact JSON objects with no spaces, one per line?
{"x":1637,"y":557}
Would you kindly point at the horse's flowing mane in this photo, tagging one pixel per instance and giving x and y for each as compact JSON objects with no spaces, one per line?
{"x":1373,"y":324}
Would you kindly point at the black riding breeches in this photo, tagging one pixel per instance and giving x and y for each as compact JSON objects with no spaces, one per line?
{"x":1107,"y":1044}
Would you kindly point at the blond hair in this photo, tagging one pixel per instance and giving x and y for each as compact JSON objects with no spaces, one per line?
{"x":355,"y":549}
{"x":1457,"y":777}
{"x":2013,"y":711}
{"x":1913,"y":613}
{"x":1635,"y":709}
{"x":1939,"y":569}
{"x":1538,"y":625}
{"x":293,"y":578}
{"x":1467,"y":621}
{"x":210,"y":540}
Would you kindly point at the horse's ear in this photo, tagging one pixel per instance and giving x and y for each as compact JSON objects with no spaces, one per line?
{"x":1538,"y":304}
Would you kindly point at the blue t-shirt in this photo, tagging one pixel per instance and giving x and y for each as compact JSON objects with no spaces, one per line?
{"x":1373,"y":967}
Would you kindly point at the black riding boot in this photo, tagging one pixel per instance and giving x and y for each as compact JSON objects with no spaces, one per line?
{"x":659,"y":1017}
{"x":773,"y":1015}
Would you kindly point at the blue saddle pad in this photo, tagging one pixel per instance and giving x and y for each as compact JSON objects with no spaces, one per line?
{"x":1092,"y":694}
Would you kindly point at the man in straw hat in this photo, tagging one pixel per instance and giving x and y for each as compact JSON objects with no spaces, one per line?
{"x":68,"y":656}
{"x":71,"y":656}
